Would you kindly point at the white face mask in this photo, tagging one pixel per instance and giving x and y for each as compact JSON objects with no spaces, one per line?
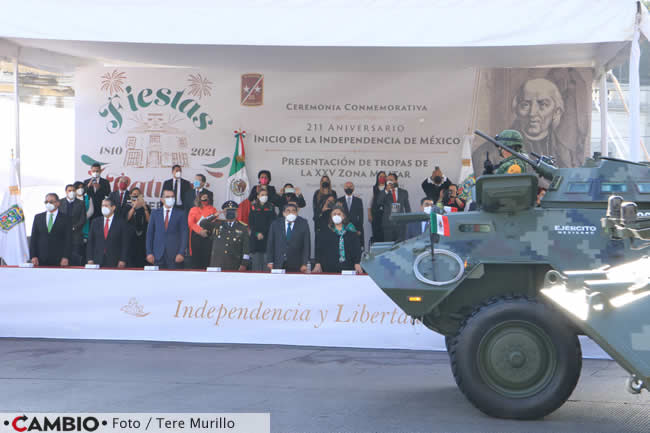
{"x":50,"y":207}
{"x":291,"y":217}
{"x":169,"y":201}
{"x":337,"y":219}
{"x":390,"y":182}
{"x":80,"y":192}
{"x":381,"y":187}
{"x":289,"y":191}
{"x":427,"y":209}
{"x":95,"y":174}
{"x":177,"y":175}
{"x":106,"y":211}
{"x":264,"y":199}
{"x":70,"y":195}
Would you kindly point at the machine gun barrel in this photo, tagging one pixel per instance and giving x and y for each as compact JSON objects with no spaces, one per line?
{"x":403,"y":218}
{"x":544,"y":169}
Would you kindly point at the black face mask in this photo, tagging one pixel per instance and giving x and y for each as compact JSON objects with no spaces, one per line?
{"x":231,"y":214}
{"x":348,"y":191}
{"x":325,"y":184}
{"x":437,"y":179}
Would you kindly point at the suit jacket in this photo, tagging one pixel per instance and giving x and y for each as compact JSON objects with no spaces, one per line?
{"x":414,"y":229}
{"x":185,"y":188}
{"x":51,"y":247}
{"x":190,"y":196}
{"x":292,"y":253}
{"x":386,"y":200}
{"x":97,"y":196}
{"x":121,"y":207}
{"x":166,"y":244}
{"x":355,"y":213}
{"x":113,"y":249}
{"x":77,"y":215}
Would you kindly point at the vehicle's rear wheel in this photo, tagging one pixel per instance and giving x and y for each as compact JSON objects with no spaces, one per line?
{"x":516,"y":358}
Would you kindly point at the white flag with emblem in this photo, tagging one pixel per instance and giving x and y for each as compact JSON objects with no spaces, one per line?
{"x":13,"y":239}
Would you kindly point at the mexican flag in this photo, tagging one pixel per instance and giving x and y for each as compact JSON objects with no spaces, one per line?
{"x":439,"y":224}
{"x":238,"y":187}
{"x":13,"y":239}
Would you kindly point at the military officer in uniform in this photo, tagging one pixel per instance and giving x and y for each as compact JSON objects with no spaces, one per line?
{"x":510,"y":163}
{"x":230,"y":249}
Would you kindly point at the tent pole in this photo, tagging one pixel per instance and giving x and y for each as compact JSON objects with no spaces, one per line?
{"x":603,"y":114}
{"x":17,"y":116}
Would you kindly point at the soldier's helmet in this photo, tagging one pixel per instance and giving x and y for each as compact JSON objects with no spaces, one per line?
{"x":511,"y":138}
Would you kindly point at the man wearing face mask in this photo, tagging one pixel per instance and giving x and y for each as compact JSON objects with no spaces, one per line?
{"x":289,"y":244}
{"x":97,"y":188}
{"x":416,"y":228}
{"x":230,"y":240}
{"x":76,"y":211}
{"x":108,"y":239}
{"x":180,"y":187}
{"x":51,"y":240}
{"x":434,"y":184}
{"x":121,"y":197}
{"x":167,"y":234}
{"x":353,"y":208}
{"x":198,"y":188}
{"x":394,"y":200}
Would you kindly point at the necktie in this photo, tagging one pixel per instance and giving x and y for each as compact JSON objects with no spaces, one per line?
{"x":50,"y":222}
{"x":177,"y":188}
{"x":121,"y":198}
{"x":349,"y":203}
{"x":106,"y":228}
{"x":289,"y":230}
{"x":70,"y":203}
{"x":166,"y":218}
{"x":394,"y":196}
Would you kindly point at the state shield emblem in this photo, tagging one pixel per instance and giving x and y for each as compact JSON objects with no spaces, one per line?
{"x":252,"y":89}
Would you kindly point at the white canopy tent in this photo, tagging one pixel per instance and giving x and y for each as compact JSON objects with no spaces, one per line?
{"x":384,"y":34}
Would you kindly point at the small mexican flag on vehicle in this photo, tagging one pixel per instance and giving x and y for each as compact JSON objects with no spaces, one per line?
{"x":439,"y":224}
{"x":449,"y":209}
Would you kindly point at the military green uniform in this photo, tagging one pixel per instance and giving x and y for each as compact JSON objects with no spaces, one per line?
{"x":510,"y":165}
{"x":230,"y":243}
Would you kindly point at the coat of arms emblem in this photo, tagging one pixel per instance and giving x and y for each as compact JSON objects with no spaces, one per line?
{"x":252,"y":89}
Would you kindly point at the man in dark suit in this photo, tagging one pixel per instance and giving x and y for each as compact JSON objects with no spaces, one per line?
{"x":180,"y":187}
{"x":75,"y":209}
{"x":167,"y":234}
{"x":394,"y":200}
{"x":121,"y":197}
{"x":289,"y":245}
{"x":416,"y":228}
{"x":97,"y":188}
{"x":51,"y":241}
{"x":197,"y":190}
{"x":108,"y":238}
{"x":353,"y":208}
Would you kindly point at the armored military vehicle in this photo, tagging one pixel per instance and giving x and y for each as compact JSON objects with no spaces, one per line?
{"x":512,"y":354}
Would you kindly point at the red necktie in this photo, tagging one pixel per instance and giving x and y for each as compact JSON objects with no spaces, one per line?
{"x":394,"y":196}
{"x":166,"y":219}
{"x":106,"y":229}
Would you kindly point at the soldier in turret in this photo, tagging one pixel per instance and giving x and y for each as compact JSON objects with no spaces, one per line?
{"x":510,"y":163}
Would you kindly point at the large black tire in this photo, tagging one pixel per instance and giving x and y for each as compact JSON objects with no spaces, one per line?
{"x":516,"y":358}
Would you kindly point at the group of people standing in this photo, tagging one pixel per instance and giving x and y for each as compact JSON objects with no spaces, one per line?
{"x":94,"y":225}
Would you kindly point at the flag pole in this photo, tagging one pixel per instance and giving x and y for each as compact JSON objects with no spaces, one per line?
{"x":17,"y":116}
{"x":432,"y":237}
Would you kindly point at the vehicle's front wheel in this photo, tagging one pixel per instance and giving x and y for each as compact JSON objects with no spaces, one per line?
{"x":516,"y":358}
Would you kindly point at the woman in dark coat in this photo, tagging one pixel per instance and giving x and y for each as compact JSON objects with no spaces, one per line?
{"x":322,"y":195}
{"x":339,"y":246}
{"x":260,"y":218}
{"x":376,"y":211}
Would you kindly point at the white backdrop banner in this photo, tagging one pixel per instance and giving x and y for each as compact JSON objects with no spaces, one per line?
{"x":344,"y":123}
{"x":193,"y":306}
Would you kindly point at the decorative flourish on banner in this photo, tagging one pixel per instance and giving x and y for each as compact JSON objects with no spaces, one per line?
{"x":219,"y":164}
{"x":199,"y":86}
{"x":134,"y":309}
{"x":11,"y":218}
{"x":112,"y":82}
{"x":90,"y":161}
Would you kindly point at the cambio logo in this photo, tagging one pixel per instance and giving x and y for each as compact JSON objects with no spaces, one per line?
{"x":61,"y":423}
